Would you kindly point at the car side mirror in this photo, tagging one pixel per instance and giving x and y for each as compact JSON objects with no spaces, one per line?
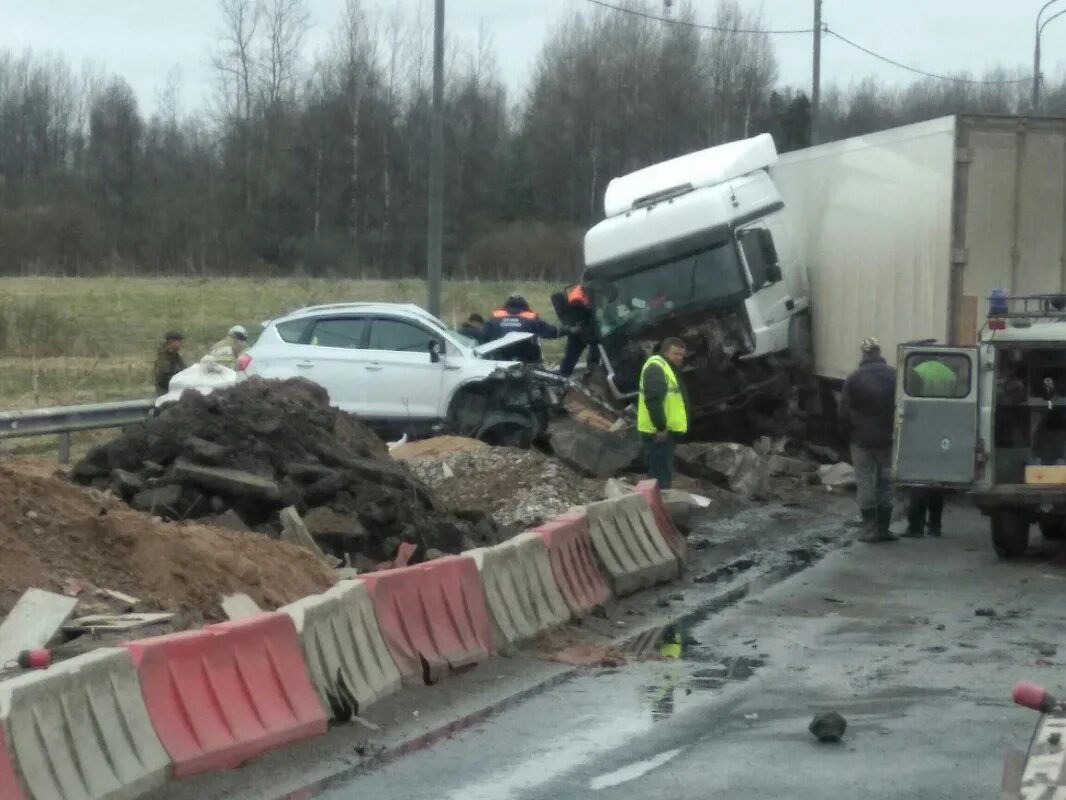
{"x":434,"y":351}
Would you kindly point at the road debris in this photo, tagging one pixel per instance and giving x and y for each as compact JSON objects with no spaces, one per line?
{"x":33,"y":622}
{"x":115,"y":622}
{"x":294,"y":531}
{"x":239,"y":606}
{"x":732,"y":466}
{"x":828,"y":727}
{"x":263,"y":446}
{"x":837,"y":477}
{"x":518,"y":488}
{"x":985,"y":612}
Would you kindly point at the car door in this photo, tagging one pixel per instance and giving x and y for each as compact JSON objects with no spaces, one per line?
{"x":936,"y":438}
{"x":771,"y":295}
{"x":336,"y":358}
{"x":403,"y":379}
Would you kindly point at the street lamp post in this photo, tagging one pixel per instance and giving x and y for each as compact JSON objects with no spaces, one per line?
{"x":1040,"y":25}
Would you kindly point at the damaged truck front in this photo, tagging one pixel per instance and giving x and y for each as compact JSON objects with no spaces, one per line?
{"x":698,"y":248}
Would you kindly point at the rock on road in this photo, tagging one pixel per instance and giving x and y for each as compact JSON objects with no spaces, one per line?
{"x":886,"y":635}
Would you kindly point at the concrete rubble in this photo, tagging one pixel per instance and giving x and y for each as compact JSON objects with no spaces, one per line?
{"x":837,"y":476}
{"x":732,"y":466}
{"x":264,"y":454}
{"x":518,"y":488}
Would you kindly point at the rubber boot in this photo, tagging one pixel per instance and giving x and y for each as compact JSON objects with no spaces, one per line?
{"x":868,"y":532}
{"x":884,"y":524}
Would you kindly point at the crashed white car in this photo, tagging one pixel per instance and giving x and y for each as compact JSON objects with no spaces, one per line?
{"x":402,"y":370}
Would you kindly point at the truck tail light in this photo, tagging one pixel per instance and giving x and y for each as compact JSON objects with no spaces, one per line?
{"x":244,"y":360}
{"x":996,"y":324}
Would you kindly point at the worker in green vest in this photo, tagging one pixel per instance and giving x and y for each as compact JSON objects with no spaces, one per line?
{"x":662,"y":409}
{"x":938,"y":379}
{"x":926,"y":511}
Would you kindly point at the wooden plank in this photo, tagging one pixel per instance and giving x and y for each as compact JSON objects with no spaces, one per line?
{"x":965,"y":333}
{"x":34,"y":621}
{"x":116,"y":622}
{"x":1046,"y":476}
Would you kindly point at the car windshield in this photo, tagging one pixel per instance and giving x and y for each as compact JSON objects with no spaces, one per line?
{"x":701,"y":278}
{"x":464,"y":340}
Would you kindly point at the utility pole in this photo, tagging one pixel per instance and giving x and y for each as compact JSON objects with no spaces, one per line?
{"x":435,"y":235}
{"x":816,"y":78}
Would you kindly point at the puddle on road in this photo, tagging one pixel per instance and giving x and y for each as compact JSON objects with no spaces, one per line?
{"x":684,"y":667}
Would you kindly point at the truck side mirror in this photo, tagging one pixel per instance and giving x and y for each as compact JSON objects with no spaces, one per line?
{"x":774,"y":274}
{"x":434,"y":351}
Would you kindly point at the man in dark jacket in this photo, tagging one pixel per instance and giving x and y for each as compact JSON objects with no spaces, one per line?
{"x":474,"y":328}
{"x":517,"y":317}
{"x":168,"y":361}
{"x":867,"y":416}
{"x":574,"y":309}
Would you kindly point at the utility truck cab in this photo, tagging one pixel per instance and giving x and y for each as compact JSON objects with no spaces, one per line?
{"x":697,"y":247}
{"x":1000,"y":430}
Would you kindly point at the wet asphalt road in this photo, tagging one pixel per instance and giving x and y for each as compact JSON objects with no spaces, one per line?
{"x":886,"y":635}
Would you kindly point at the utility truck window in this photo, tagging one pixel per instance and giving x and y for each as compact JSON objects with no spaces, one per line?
{"x":701,"y":279}
{"x":931,"y":375}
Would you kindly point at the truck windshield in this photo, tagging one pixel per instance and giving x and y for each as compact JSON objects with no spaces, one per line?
{"x":703,"y":278}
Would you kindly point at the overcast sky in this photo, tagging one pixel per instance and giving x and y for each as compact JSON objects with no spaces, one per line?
{"x":143,"y":40}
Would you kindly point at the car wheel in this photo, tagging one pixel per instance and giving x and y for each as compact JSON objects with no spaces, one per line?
{"x":507,"y":429}
{"x":1010,"y":533}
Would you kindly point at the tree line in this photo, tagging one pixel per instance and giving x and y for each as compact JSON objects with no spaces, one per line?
{"x":316,"y":163}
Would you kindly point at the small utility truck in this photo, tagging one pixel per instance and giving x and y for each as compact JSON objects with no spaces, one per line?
{"x":1000,"y":432}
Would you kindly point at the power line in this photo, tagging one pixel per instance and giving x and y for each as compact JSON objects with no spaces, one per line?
{"x":719,"y":29}
{"x":698,"y":26}
{"x":917,"y":71}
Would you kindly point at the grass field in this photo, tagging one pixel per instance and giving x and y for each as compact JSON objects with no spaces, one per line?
{"x":79,"y":340}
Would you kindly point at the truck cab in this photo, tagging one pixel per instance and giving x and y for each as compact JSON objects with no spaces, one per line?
{"x":698,"y":247}
{"x":1000,"y":431}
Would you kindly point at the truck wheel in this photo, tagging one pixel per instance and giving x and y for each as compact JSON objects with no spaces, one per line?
{"x":800,"y":345}
{"x":1053,"y":528}
{"x":1010,"y":533}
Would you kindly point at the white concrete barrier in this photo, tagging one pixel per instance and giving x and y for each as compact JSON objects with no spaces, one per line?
{"x":80,"y":730}
{"x":628,"y":541}
{"x":520,"y":590}
{"x":350,"y":666}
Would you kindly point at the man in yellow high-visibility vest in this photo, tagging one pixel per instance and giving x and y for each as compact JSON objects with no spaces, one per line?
{"x":662,"y":409}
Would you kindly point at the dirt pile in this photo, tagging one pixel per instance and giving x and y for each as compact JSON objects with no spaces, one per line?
{"x":519,"y":488}
{"x":241,"y":455}
{"x":53,"y":533}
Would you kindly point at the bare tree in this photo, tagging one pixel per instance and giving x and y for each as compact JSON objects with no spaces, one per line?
{"x":236,"y":66}
{"x":285,"y":23}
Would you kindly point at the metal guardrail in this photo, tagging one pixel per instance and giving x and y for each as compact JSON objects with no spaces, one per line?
{"x":64,"y":420}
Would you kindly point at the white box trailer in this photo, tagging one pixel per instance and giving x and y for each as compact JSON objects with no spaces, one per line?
{"x":906,"y":232}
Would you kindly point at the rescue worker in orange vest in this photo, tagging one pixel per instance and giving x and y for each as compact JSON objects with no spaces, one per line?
{"x":574,"y":308}
{"x":662,"y":409}
{"x":517,"y":317}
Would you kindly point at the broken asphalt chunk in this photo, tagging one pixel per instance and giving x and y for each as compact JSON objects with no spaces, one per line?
{"x":828,"y":727}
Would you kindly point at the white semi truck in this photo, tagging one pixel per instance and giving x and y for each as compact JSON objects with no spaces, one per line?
{"x":903,"y":235}
{"x":699,"y":247}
